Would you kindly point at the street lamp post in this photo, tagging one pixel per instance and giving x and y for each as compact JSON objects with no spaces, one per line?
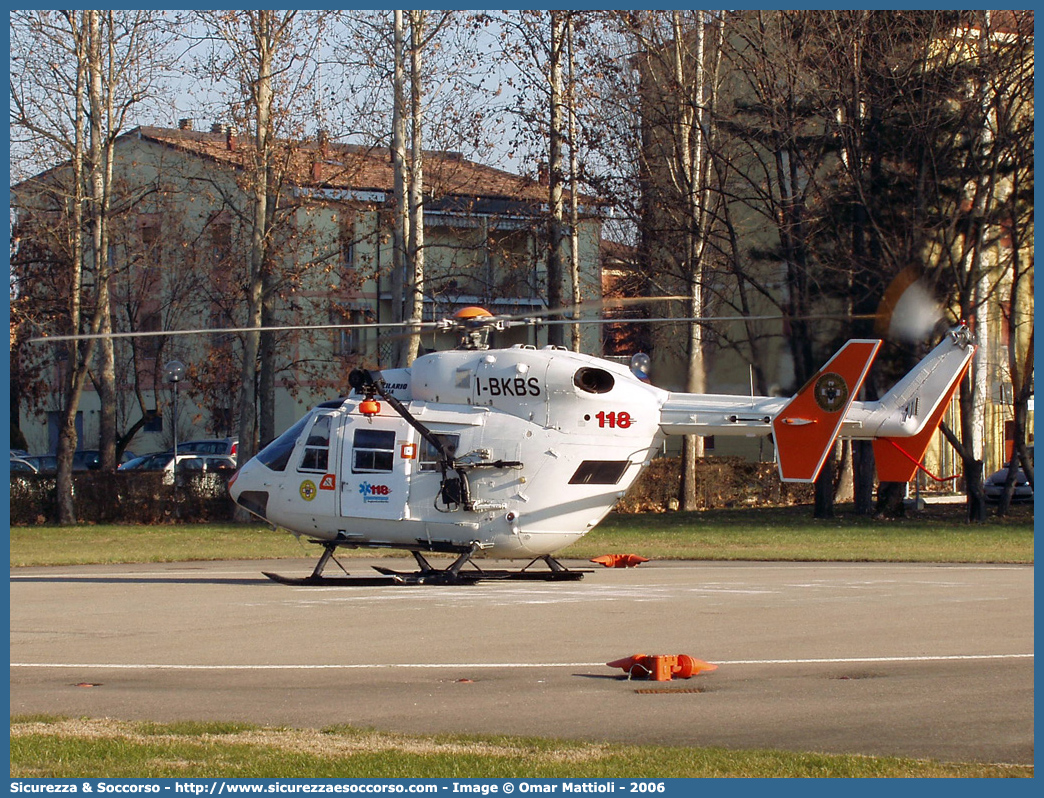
{"x":175,"y":371}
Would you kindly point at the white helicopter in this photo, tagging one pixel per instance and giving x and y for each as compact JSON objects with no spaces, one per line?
{"x":516,"y":453}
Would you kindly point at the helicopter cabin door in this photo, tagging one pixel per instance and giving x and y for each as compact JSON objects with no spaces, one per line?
{"x":376,"y":461}
{"x":312,"y":474}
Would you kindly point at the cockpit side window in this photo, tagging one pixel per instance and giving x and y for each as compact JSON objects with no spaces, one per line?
{"x":373,"y":451}
{"x":317,"y":445}
{"x":277,"y":454}
{"x":429,"y":457}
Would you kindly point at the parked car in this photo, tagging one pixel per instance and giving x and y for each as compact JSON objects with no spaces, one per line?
{"x":83,"y":460}
{"x":21,"y":466}
{"x":187,"y":464}
{"x":89,"y":459}
{"x":136,"y":461}
{"x":225,"y":446}
{"x":43,"y":463}
{"x":994,"y":485}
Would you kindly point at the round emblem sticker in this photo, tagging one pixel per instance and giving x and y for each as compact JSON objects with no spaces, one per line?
{"x":831,"y":392}
{"x":308,"y":490}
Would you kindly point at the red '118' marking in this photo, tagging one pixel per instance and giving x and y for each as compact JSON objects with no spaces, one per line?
{"x":614,"y":420}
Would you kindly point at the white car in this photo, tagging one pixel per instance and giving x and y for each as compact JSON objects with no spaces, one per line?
{"x":226,"y":446}
{"x":20,"y":466}
{"x":187,"y":464}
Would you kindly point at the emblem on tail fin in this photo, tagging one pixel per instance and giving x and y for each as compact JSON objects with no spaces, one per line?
{"x":805,"y":429}
{"x":831,"y":392}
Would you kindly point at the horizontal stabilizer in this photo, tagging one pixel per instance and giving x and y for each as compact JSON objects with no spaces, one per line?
{"x":805,"y":429}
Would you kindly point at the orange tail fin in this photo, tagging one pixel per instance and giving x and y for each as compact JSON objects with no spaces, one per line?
{"x":897,"y":458}
{"x":805,"y":429}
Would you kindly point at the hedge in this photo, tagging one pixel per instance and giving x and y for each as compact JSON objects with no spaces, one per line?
{"x":123,"y":497}
{"x":142,"y":498}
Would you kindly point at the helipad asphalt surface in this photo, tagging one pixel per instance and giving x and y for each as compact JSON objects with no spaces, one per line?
{"x":930,"y":661}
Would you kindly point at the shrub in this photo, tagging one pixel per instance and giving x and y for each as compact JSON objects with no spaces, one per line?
{"x":133,"y":497}
{"x":720,"y":482}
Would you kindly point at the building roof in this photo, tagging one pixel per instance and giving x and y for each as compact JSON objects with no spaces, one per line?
{"x":330,"y":165}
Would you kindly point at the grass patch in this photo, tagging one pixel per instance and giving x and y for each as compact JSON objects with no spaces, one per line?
{"x":138,"y":543}
{"x":937,"y":534}
{"x":116,"y":749}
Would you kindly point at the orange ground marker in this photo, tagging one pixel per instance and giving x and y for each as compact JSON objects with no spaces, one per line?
{"x":662,"y":667}
{"x":619,"y":560}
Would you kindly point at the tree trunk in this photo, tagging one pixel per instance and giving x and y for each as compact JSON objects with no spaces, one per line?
{"x":574,"y":197}
{"x":266,"y":429}
{"x":73,"y":373}
{"x":263,"y":134}
{"x":99,"y":212}
{"x":415,"y":245}
{"x":890,"y":500}
{"x":978,"y":511}
{"x":973,"y":484}
{"x":863,"y":467}
{"x":400,"y":215}
{"x":824,"y":490}
{"x":692,"y":450}
{"x":556,"y":222}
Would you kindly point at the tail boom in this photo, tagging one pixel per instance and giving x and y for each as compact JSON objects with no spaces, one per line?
{"x":804,"y":428}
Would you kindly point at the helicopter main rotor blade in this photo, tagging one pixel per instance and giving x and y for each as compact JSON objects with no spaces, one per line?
{"x":697,"y":319}
{"x":232,"y":330}
{"x":565,"y":314}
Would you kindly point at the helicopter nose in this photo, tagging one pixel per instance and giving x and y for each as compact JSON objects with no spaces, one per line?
{"x":246,"y":493}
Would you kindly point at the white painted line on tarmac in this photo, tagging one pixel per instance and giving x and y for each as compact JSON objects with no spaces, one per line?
{"x":856,"y":660}
{"x":437,"y":665}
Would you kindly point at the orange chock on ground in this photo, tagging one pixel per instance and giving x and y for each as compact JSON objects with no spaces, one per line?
{"x":662,"y":667}
{"x":619,"y":560}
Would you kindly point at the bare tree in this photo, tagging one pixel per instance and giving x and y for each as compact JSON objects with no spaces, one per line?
{"x":1015,"y":119}
{"x":987,"y":187}
{"x":270,"y":58}
{"x":421,"y":34}
{"x":548,"y":82}
{"x":679,"y":75}
{"x":102,"y":66}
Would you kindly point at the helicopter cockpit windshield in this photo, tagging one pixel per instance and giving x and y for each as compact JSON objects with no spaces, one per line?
{"x":277,"y":454}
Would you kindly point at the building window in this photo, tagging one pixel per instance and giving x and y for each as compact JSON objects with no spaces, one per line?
{"x":222,"y":341}
{"x":151,"y":344}
{"x":220,"y":242}
{"x":153,"y":421}
{"x":347,"y":256}
{"x":347,"y":340}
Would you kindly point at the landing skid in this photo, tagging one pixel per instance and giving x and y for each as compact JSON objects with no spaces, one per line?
{"x":428,"y":575}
